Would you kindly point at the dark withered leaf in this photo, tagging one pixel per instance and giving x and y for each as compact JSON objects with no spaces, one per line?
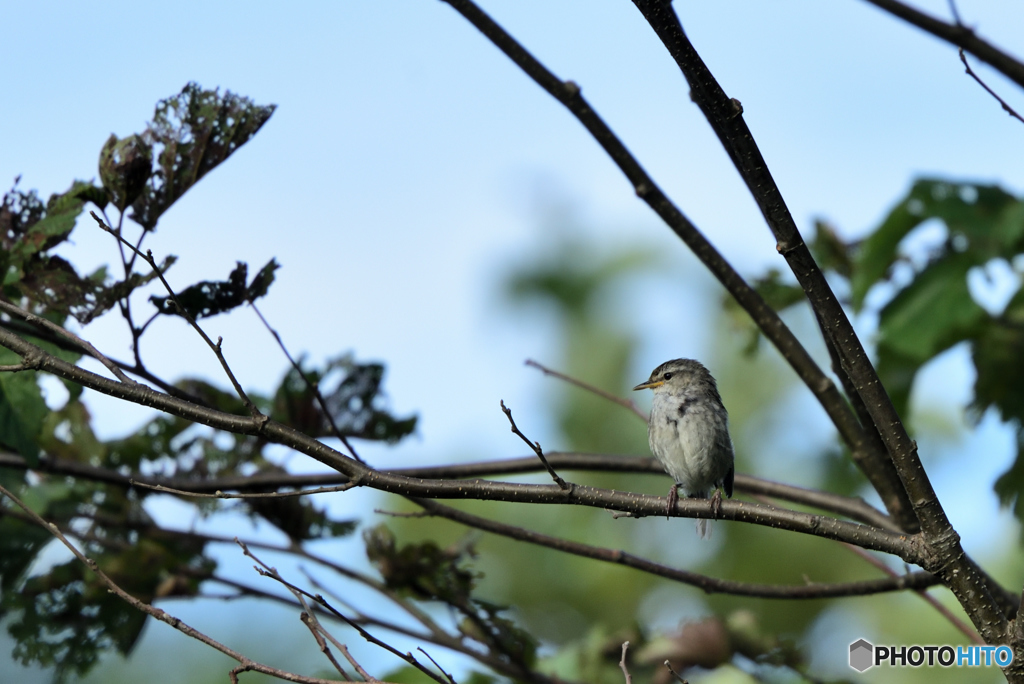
{"x":125,"y":166}
{"x":67,"y":618}
{"x":298,"y":518}
{"x":191,"y":133}
{"x":830,"y":251}
{"x":423,"y":569}
{"x":354,"y":402}
{"x":211,"y":297}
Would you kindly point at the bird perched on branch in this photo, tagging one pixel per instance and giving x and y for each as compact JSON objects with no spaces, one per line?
{"x":689,"y":433}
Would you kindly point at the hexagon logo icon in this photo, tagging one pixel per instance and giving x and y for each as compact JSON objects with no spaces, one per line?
{"x":861,"y":655}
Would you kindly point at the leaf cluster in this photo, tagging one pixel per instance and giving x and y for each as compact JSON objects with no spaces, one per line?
{"x":63,"y":617}
{"x":927,"y":303}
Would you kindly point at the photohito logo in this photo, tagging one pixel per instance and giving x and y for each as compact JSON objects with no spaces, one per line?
{"x":864,"y":655}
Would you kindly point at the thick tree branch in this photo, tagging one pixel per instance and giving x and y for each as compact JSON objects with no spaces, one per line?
{"x":725,"y":115}
{"x":945,"y":555}
{"x":959,"y":35}
{"x":881,"y":474}
{"x":853,"y":508}
{"x":629,"y":502}
{"x":709,"y":585}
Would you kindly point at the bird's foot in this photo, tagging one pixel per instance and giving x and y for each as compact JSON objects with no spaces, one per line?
{"x":673,"y":499}
{"x":716,"y":503}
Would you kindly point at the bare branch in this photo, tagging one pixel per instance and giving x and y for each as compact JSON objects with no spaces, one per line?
{"x":625,"y":403}
{"x":959,"y":35}
{"x":675,"y":674}
{"x":446,"y":674}
{"x":970,"y":72}
{"x":312,"y":386}
{"x":878,"y":468}
{"x":962,"y":626}
{"x":854,"y":508}
{"x":257,"y":495}
{"x":726,"y":119}
{"x":216,"y":347}
{"x":622,"y":663}
{"x":311,"y":623}
{"x":272,"y":573}
{"x":637,"y":504}
{"x":709,"y":585}
{"x":359,"y":668}
{"x":536,"y":449}
{"x":944,"y":554}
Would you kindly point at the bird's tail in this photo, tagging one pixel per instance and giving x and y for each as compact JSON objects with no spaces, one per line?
{"x":704,"y":528}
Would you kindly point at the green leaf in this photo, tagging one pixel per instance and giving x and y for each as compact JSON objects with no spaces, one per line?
{"x":192,"y":133}
{"x":933,"y":313}
{"x":422,"y":569}
{"x":1010,"y":484}
{"x":998,"y":355}
{"x":61,"y":214}
{"x":22,"y":410}
{"x":830,"y":251}
{"x":261,"y":283}
{"x":984,"y":221}
{"x":19,"y":544}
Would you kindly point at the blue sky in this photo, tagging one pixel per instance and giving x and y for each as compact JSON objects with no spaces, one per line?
{"x":409,"y":163}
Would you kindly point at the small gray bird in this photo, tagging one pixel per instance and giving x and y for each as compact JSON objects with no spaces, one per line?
{"x":689,"y":433}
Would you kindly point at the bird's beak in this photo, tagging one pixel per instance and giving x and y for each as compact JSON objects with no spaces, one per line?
{"x":650,"y":384}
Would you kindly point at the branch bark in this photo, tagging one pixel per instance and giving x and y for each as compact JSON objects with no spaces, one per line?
{"x":906,"y":547}
{"x":881,"y":474}
{"x":957,"y":34}
{"x":945,"y":556}
{"x":709,"y":585}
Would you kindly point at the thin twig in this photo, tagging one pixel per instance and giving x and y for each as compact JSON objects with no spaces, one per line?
{"x":311,"y":385}
{"x":970,"y":72}
{"x":272,"y":573}
{"x":956,"y":14}
{"x":536,"y":448}
{"x":675,"y":674}
{"x":957,"y":34}
{"x":709,"y":585}
{"x":359,"y":668}
{"x":626,"y":403}
{"x":257,"y":495}
{"x":622,"y":663}
{"x":309,"y":620}
{"x":446,"y":674}
{"x":216,"y":347}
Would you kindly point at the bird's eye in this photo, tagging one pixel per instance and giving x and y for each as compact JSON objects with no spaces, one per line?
{"x":667,"y":376}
